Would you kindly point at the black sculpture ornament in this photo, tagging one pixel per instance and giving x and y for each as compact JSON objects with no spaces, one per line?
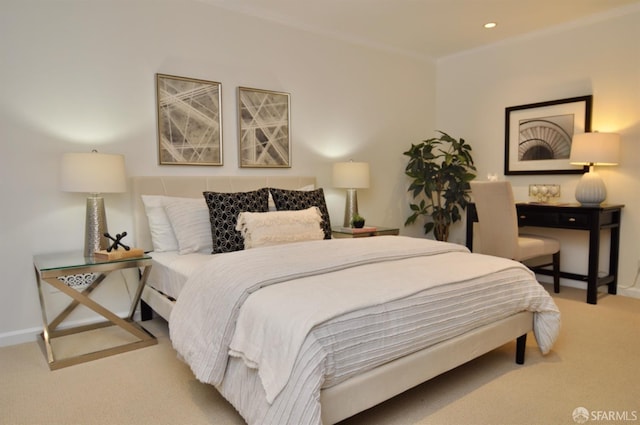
{"x":117,"y":241}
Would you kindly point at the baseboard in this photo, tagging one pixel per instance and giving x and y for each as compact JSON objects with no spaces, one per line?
{"x":633,"y":292}
{"x":19,"y":337}
{"x":31,"y":334}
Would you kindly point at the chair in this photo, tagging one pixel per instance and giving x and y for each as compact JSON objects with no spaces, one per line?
{"x":498,"y":229}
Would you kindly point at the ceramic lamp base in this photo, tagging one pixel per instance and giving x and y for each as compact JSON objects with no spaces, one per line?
{"x":591,"y":191}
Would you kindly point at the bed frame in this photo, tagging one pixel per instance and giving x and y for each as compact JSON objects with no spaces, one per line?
{"x":370,"y":388}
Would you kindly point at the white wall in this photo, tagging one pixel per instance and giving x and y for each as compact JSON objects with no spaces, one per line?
{"x":78,"y":75}
{"x":599,"y":57}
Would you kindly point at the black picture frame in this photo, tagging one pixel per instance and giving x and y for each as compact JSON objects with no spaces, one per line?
{"x":538,"y":135}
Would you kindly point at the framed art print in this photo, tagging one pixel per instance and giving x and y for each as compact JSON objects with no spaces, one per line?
{"x":538,"y":135}
{"x":264,"y":129}
{"x":189,"y":121}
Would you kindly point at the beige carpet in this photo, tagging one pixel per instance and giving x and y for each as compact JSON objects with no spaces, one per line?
{"x":595,"y":364}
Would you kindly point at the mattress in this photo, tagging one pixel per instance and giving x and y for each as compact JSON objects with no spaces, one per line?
{"x":171,"y":270}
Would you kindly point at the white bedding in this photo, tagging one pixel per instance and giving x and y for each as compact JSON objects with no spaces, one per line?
{"x":171,"y":270}
{"x":433,"y":299}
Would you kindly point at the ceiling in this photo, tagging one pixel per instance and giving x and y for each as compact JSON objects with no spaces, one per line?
{"x":428,"y":28}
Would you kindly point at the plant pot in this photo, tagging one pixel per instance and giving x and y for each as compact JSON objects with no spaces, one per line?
{"x":358,"y":224}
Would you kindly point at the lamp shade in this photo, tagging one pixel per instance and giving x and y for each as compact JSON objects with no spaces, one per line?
{"x":595,"y":149}
{"x":92,"y":172}
{"x":351,"y":175}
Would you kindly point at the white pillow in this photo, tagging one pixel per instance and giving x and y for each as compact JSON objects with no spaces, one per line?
{"x":278,"y":227}
{"x":189,"y":218}
{"x":162,"y":236}
{"x":272,"y":204}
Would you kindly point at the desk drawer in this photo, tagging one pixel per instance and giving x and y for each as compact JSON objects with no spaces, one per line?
{"x":531,"y":218}
{"x":554,"y":219}
{"x":574,"y":220}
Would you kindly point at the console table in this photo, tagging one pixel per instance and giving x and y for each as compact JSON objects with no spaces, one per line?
{"x":574,"y":217}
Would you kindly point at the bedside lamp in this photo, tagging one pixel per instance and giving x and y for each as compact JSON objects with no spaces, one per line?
{"x":593,"y":149}
{"x":93,"y":173}
{"x":351,"y":176}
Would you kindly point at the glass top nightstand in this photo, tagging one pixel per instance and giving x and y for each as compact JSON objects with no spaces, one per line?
{"x":57,"y":262}
{"x":348,"y":232}
{"x":55,"y":268}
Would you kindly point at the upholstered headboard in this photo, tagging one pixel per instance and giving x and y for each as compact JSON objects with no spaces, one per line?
{"x":192,"y":187}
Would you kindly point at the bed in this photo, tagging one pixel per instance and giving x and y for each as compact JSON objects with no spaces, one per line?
{"x":316,"y":372}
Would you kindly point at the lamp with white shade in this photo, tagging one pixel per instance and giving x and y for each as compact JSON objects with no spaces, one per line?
{"x":351,"y":176}
{"x":593,"y":149}
{"x":93,"y":173}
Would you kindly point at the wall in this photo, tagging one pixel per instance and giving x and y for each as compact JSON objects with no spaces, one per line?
{"x":79,"y":75}
{"x":599,"y":57}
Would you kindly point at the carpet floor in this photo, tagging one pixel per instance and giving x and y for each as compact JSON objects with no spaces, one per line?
{"x":595,"y":364}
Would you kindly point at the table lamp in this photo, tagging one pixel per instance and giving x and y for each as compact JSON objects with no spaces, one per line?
{"x":93,"y":173}
{"x":351,"y":176}
{"x":593,"y":149}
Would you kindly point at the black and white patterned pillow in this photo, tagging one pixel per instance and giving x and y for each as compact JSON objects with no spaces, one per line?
{"x":293,"y":200}
{"x":223,"y":214}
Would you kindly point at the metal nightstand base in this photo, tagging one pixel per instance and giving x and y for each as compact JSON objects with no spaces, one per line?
{"x":58,"y":363}
{"x":51,"y":331}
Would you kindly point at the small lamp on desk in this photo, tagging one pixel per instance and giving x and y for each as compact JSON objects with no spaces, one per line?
{"x":93,"y":173}
{"x":593,"y":149}
{"x":351,"y":176}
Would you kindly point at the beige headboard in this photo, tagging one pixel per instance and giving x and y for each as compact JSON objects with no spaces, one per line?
{"x":192,"y":187}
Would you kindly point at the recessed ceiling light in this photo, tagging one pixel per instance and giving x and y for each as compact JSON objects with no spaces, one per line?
{"x":489,"y":25}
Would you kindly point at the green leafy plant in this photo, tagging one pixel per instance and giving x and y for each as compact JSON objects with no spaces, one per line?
{"x":357,"y":220}
{"x":441,"y":169}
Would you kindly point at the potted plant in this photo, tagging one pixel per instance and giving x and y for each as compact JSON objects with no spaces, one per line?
{"x":357,"y":221}
{"x":441,"y":169}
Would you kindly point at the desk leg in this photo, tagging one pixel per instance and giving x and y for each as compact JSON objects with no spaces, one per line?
{"x":614,"y":251}
{"x":594,"y":261}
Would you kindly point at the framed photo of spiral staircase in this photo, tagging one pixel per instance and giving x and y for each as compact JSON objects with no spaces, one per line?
{"x":538,"y":135}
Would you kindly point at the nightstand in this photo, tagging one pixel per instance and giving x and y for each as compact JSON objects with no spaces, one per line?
{"x":348,"y":232}
{"x":59,"y":268}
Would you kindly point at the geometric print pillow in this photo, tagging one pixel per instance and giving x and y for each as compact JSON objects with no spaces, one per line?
{"x":294,"y":200}
{"x":223,"y":215}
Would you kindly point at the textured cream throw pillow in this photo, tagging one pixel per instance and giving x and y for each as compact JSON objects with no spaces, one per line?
{"x":278,"y":227}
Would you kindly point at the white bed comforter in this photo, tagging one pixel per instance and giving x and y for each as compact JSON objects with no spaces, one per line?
{"x":220,"y":312}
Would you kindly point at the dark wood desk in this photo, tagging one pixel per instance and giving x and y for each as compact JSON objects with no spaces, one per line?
{"x":574,"y":217}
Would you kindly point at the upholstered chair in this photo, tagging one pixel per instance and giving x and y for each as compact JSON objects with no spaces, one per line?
{"x":498,"y":229}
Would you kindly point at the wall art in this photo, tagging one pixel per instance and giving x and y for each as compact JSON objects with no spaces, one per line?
{"x":189,"y":121}
{"x":538,"y":135}
{"x":264,"y":129}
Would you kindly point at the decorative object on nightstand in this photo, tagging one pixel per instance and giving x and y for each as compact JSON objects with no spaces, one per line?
{"x":357,"y":221}
{"x":93,"y":173}
{"x":593,"y":149}
{"x":113,"y":253}
{"x":351,"y":176}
